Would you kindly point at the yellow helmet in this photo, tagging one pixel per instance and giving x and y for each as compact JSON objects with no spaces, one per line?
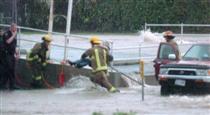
{"x":95,"y":40}
{"x":47,"y":38}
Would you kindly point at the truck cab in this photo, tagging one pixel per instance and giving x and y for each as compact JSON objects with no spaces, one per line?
{"x":166,"y":53}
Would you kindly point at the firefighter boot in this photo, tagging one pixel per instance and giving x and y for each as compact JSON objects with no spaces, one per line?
{"x":114,"y":90}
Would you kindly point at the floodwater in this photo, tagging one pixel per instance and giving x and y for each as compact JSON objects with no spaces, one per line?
{"x":82,"y":97}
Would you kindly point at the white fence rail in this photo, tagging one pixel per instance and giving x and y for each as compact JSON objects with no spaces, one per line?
{"x":129,"y":54}
{"x":183,"y":35}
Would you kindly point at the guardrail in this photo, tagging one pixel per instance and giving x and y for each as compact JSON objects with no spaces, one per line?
{"x":126,"y":55}
{"x":117,"y":52}
{"x":181,"y":25}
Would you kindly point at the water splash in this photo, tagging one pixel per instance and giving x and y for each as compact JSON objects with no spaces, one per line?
{"x":79,"y":82}
{"x":151,"y":37}
{"x":83,"y":83}
{"x":155,"y":37}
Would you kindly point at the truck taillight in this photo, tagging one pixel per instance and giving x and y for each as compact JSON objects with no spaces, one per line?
{"x":162,"y":78}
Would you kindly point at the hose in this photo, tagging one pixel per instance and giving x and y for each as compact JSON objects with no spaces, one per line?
{"x":49,"y":86}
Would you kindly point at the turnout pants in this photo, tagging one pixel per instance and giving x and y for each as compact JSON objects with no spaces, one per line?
{"x":37,"y":74}
{"x":101,"y":79}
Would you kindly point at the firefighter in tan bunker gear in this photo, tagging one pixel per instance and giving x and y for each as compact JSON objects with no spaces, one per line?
{"x":37,"y":60}
{"x":99,"y":55}
{"x":169,"y":37}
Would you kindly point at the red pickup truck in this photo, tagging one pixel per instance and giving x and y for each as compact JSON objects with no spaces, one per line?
{"x":191,"y":74}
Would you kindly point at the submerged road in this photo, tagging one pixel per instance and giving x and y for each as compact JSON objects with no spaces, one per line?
{"x":87,"y":100}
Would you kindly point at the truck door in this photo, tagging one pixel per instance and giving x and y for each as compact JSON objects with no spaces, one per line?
{"x":166,"y":53}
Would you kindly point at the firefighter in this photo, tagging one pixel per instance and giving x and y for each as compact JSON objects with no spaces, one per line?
{"x":86,"y":61}
{"x":37,"y":60}
{"x":99,"y":58}
{"x":169,"y":37}
{"x":11,"y":54}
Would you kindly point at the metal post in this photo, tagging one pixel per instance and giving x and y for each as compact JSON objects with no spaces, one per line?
{"x":65,"y":48}
{"x":111,"y":47}
{"x":140,"y":51}
{"x":141,"y":63}
{"x":145,"y":27}
{"x":182,"y":29}
{"x":69,"y":13}
{"x":14,"y":11}
{"x":50,"y":27}
{"x":68,"y":26}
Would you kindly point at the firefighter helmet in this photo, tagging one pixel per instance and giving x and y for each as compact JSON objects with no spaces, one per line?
{"x":95,"y":40}
{"x":47,"y":38}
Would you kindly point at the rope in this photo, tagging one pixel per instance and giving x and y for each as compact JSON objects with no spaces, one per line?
{"x":125,"y":75}
{"x":49,"y":86}
{"x":44,"y":80}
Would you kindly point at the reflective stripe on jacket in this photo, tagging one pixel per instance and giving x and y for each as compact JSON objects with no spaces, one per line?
{"x":38,"y":53}
{"x":29,"y":57}
{"x":99,"y":57}
{"x":100,"y":61}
